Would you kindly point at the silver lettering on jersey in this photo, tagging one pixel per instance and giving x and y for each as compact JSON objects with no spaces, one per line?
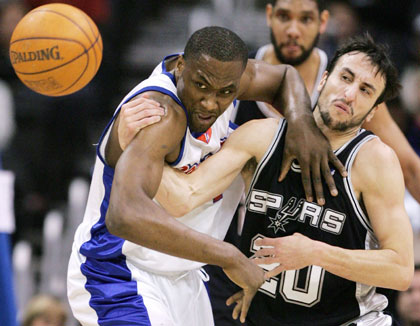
{"x":261,"y":200}
{"x":333,"y":221}
{"x":295,"y":210}
{"x":312,"y":211}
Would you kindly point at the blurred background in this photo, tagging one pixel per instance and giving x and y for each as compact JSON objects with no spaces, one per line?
{"x":48,"y":143}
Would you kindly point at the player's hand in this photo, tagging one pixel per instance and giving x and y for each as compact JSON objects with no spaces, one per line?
{"x":306,"y":143}
{"x":291,"y":253}
{"x":249,"y":277}
{"x":136,"y":115}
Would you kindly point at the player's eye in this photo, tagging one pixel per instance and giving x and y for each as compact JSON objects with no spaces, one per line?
{"x":307,"y":19}
{"x":226,"y":92}
{"x":200,"y":85}
{"x":346,"y":78}
{"x":283,"y":17}
{"x":365,"y":90}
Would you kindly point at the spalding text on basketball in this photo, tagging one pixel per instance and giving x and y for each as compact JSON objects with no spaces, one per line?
{"x":52,"y":53}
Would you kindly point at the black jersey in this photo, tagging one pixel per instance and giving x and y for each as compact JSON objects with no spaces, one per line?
{"x":310,"y":296}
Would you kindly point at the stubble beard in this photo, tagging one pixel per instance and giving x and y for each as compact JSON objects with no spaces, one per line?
{"x":292,"y":61}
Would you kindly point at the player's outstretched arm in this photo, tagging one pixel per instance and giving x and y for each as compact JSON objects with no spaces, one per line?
{"x":134,"y":216}
{"x":179,"y":193}
{"x":385,"y":127}
{"x":282,"y":87}
{"x":376,"y":175}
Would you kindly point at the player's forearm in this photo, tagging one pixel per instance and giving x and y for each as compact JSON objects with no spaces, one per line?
{"x":382,"y":267}
{"x":411,"y":172}
{"x":180,"y":193}
{"x":292,"y":98}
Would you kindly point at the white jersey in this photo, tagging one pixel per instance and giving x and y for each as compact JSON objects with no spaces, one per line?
{"x":323,"y":62}
{"x":92,"y":239}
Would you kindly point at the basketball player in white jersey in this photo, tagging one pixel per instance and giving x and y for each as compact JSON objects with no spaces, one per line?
{"x":132,"y":263}
{"x":356,"y":241}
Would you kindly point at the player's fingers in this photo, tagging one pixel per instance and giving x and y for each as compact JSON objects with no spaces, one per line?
{"x":337,"y":163}
{"x":274,"y":272}
{"x":246,"y":302}
{"x":285,"y":166}
{"x":155,"y":111}
{"x":306,"y":181}
{"x":317,"y":181}
{"x":145,"y":122}
{"x":265,"y":252}
{"x":266,"y":241}
{"x":140,"y":100}
{"x":328,"y":176}
{"x":234,"y":298}
{"x":268,"y":260}
{"x":237,"y":310}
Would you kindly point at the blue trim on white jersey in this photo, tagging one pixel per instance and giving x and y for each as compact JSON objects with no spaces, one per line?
{"x":233,"y":125}
{"x":181,"y":151}
{"x":143,"y":90}
{"x":164,"y":71}
{"x":107,"y":274}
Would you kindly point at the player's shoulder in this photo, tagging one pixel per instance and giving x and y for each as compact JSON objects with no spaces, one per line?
{"x":266,"y":126}
{"x":375,"y":159}
{"x":255,"y":136}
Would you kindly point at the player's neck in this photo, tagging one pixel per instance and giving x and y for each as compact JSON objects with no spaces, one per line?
{"x":336,"y":138}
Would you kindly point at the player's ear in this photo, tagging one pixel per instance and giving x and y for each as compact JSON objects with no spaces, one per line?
{"x":268,"y":13}
{"x":371,"y":113}
{"x":323,"y":17}
{"x":322,"y":81}
{"x":180,"y":65}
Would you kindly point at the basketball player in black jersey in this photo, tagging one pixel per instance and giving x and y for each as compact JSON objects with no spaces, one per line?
{"x":323,"y":263}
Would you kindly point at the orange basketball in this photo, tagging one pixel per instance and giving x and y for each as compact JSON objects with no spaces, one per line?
{"x":56,"y":49}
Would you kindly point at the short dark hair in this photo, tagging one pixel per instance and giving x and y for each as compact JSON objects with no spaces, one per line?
{"x":379,"y":56}
{"x":219,"y":43}
{"x":321,"y":4}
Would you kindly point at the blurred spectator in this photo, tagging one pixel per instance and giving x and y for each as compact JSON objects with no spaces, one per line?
{"x":410,"y":96}
{"x":343,"y":23}
{"x":408,"y":302}
{"x":44,"y":310}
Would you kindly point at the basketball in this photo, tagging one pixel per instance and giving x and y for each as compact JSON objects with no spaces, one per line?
{"x":56,"y":49}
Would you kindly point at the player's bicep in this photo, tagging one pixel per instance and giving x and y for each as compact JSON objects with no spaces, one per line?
{"x":261,"y":81}
{"x":141,"y":164}
{"x":383,"y":196}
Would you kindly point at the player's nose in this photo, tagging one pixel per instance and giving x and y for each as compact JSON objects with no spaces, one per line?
{"x":210,"y":103}
{"x":293,"y":30}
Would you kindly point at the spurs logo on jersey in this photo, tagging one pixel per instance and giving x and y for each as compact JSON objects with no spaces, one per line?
{"x":302,"y":211}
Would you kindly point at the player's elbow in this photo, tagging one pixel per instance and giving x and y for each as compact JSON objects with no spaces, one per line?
{"x":406,"y":278}
{"x":115,"y":220}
